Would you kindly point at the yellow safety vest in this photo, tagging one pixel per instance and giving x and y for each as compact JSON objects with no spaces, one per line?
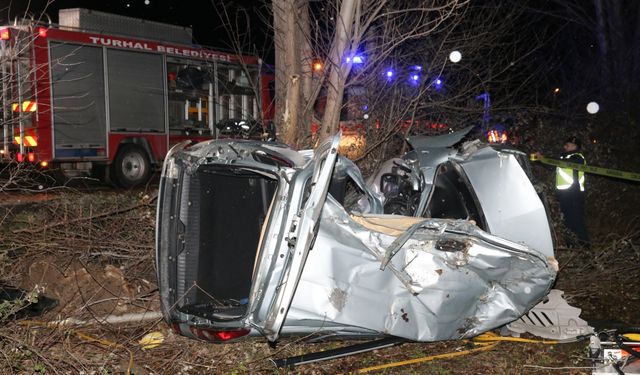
{"x":564,"y":176}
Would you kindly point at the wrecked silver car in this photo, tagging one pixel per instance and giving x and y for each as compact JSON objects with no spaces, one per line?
{"x":254,"y":238}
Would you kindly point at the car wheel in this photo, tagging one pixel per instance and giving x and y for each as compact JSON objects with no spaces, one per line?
{"x":132,"y":166}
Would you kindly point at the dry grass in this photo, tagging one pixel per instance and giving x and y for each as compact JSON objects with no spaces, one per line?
{"x":94,"y":253}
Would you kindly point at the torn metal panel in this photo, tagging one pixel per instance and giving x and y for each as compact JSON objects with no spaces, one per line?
{"x":448,"y":281}
{"x":371,"y":202}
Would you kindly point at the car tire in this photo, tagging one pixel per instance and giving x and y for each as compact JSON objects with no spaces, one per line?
{"x":132,"y":166}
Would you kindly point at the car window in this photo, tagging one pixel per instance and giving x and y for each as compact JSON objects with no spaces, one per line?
{"x":452,"y":198}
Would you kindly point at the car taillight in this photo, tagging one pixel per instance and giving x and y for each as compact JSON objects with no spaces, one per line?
{"x":230,"y":335}
{"x":5,"y":34}
{"x":42,"y":31}
{"x":19,"y":157}
{"x":31,"y":157}
{"x":218,"y":336}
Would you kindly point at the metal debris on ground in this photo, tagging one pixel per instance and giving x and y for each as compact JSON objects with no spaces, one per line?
{"x":553,"y":318}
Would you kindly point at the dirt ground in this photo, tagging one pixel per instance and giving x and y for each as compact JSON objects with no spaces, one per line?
{"x":94,"y":254}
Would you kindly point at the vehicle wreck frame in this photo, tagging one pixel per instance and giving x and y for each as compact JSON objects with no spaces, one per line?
{"x":289,"y":259}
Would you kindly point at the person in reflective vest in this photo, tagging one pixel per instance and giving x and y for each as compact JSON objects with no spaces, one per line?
{"x":570,"y":190}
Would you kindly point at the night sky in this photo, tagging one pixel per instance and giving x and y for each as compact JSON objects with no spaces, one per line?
{"x":200,"y":15}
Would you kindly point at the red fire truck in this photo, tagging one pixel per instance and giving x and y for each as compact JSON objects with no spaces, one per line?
{"x":105,"y":94}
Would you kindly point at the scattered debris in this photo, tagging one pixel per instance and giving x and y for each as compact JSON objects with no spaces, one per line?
{"x":614,"y":352}
{"x":553,"y":318}
{"x":151,"y":340}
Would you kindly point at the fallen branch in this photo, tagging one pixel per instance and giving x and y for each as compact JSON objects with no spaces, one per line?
{"x":92,"y":217}
{"x":109,"y":319}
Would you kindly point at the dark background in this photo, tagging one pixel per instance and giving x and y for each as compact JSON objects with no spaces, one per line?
{"x":201,"y":15}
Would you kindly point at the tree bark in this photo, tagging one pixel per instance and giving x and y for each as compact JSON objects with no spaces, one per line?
{"x":285,"y":68}
{"x":339,"y":69}
{"x":291,"y":24}
{"x":308,"y":57}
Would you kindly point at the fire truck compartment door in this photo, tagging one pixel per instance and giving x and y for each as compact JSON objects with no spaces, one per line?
{"x":78,"y":99}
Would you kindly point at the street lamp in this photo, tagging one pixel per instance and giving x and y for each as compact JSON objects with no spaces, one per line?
{"x":455,"y":56}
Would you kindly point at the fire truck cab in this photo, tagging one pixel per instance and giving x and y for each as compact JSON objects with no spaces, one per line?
{"x":108,"y":95}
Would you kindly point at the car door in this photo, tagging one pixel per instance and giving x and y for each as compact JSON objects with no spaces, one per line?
{"x":301,"y":231}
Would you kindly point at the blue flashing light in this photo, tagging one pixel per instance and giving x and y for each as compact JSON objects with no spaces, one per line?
{"x":416,"y":67}
{"x":356,"y":59}
{"x":390,"y":73}
{"x":415,"y":77}
{"x":438,"y":82}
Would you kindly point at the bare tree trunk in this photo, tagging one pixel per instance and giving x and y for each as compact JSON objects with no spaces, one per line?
{"x":286,"y":77}
{"x":338,"y":69}
{"x":293,"y":68}
{"x":304,"y":27}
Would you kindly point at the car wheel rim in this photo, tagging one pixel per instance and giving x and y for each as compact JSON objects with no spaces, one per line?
{"x":133,"y":167}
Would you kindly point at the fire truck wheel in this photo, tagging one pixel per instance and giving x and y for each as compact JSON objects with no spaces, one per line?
{"x":132,"y":166}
